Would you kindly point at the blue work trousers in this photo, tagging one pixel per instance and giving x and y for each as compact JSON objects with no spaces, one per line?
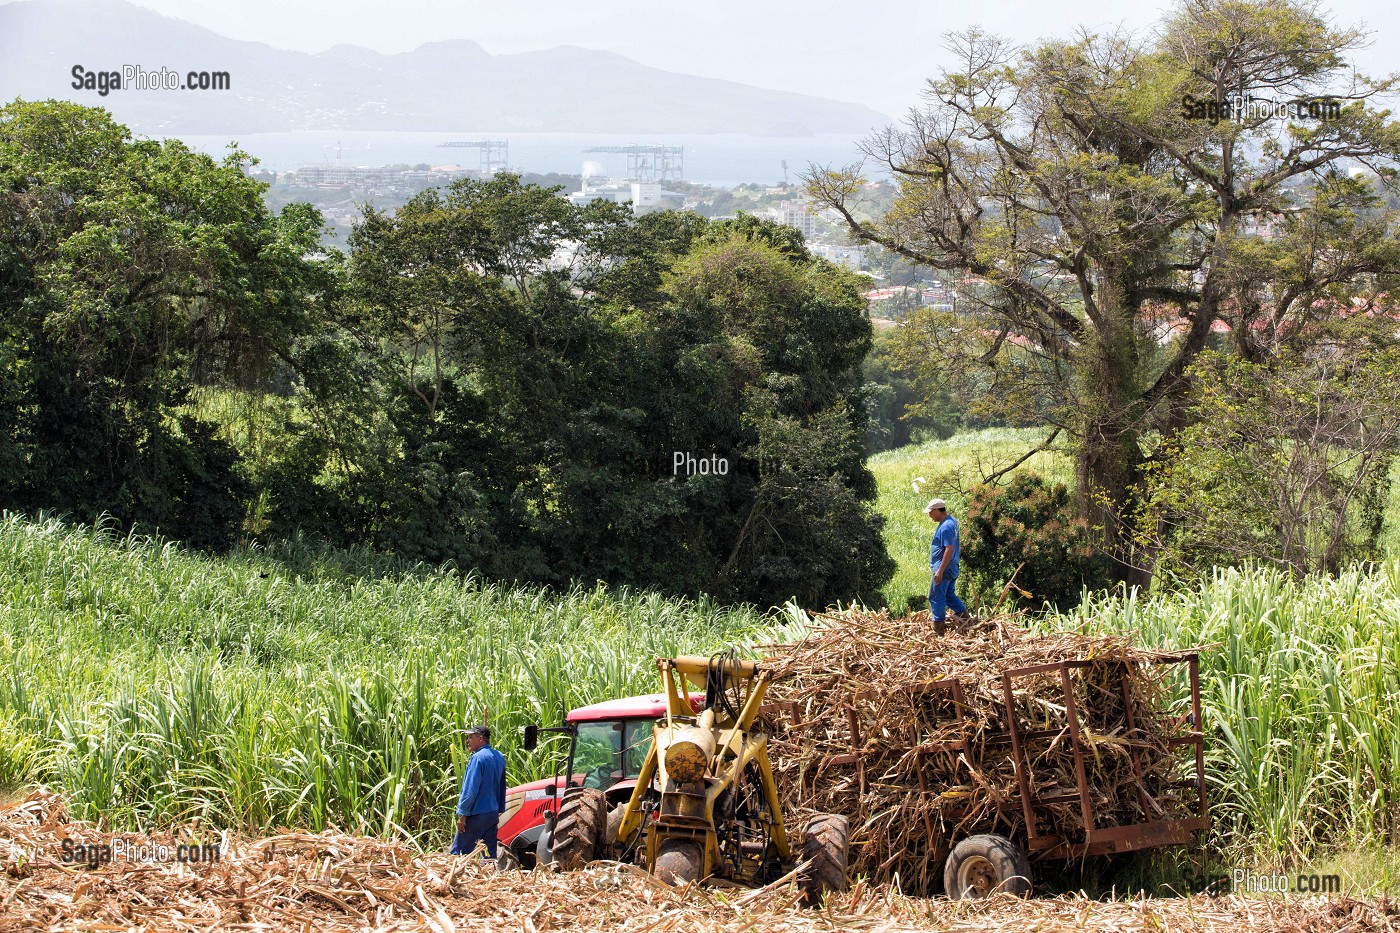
{"x":480,"y":828}
{"x":941,"y":598}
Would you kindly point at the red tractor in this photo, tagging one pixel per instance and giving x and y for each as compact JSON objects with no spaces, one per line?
{"x":608,"y":743}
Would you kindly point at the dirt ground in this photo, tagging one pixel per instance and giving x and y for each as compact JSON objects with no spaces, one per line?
{"x":57,"y":874}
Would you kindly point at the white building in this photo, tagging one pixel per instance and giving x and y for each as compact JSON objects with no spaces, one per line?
{"x":797,"y":213}
{"x":643,"y":196}
{"x":852,"y":257}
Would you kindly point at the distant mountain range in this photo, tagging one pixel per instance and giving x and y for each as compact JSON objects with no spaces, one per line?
{"x":442,"y":86}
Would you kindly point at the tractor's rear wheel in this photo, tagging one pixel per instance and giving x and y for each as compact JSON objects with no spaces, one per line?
{"x":679,"y":862}
{"x":826,"y":852}
{"x":578,"y":833}
{"x":987,"y":864}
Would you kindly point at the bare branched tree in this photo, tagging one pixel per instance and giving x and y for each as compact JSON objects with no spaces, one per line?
{"x":1102,"y":222}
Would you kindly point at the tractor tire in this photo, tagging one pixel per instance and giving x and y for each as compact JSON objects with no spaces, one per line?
{"x":679,"y":862}
{"x":578,"y":834}
{"x":507,"y":859}
{"x":826,"y":852}
{"x":980,"y":866}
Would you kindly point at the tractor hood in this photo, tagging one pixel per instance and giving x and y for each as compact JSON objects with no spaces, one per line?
{"x":650,"y":705}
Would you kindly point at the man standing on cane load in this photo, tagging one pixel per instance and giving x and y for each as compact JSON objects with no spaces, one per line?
{"x":943,"y":561}
{"x":483,"y":795}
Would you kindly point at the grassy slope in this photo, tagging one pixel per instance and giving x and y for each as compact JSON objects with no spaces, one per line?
{"x":973,"y":455}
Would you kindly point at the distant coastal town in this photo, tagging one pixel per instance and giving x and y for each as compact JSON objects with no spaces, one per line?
{"x":653,"y":180}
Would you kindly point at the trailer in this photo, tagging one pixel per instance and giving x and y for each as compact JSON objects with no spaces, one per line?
{"x":979,"y":860}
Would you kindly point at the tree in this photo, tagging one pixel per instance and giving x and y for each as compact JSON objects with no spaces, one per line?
{"x":1107,"y":224}
{"x":469,"y":331}
{"x":900,"y":411}
{"x":792,"y":333}
{"x":541,"y":365}
{"x":130,"y":272}
{"x":1285,"y":462}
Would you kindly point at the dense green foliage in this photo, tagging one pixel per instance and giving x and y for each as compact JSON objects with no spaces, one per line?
{"x":494,"y":377}
{"x":900,"y":408}
{"x":127,"y":269}
{"x":1025,"y":537}
{"x":1287,"y":461}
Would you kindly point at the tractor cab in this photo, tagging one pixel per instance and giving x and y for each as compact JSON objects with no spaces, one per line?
{"x":608,"y":753}
{"x":608,"y":743}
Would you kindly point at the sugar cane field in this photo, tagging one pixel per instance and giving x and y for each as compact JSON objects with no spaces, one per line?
{"x":318,"y":698}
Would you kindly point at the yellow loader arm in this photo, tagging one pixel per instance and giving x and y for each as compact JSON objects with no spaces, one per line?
{"x":695,"y":759}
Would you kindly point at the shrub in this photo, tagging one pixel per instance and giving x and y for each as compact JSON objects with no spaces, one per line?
{"x":1030,"y":524}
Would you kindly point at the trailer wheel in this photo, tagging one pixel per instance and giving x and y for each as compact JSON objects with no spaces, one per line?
{"x":825,"y":850}
{"x":988,"y":864}
{"x":578,"y":833}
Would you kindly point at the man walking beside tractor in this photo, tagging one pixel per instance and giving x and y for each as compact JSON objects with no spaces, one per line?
{"x":483,"y":795}
{"x":943,"y":561}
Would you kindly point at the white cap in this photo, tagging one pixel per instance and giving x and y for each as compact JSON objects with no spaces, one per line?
{"x":935,"y":504}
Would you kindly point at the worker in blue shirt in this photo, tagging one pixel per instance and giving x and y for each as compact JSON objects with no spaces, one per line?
{"x":943,"y":561}
{"x":483,"y":795}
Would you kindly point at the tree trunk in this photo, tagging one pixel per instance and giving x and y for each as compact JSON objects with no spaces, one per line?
{"x":1109,"y":460}
{"x":1109,"y":467}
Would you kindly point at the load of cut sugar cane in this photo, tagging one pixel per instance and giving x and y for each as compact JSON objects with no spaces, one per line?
{"x":907,"y":733}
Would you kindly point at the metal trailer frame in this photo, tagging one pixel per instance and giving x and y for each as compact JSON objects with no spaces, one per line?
{"x":1149,"y":834}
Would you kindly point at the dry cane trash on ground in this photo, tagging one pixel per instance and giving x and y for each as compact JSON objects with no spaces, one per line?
{"x":906,"y":796}
{"x":335,"y":883}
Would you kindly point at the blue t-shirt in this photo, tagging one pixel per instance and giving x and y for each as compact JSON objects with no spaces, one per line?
{"x":484,"y":787}
{"x":945,"y":535}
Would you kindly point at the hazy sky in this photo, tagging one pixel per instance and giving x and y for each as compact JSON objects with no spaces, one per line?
{"x":877,"y":53}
